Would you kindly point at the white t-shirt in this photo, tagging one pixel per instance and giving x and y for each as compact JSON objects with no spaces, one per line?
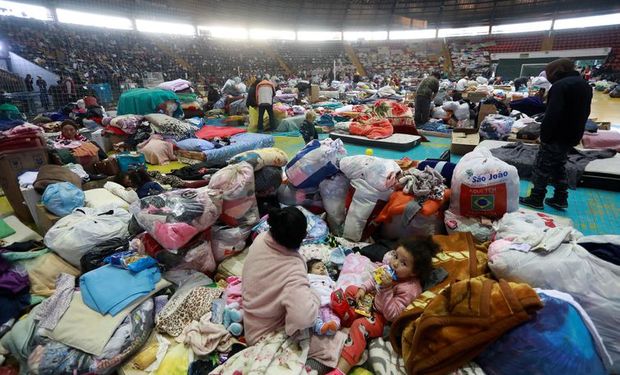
{"x":264,"y":94}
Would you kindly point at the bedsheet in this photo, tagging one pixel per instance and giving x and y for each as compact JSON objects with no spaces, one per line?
{"x":238,"y":144}
{"x":209,"y":132}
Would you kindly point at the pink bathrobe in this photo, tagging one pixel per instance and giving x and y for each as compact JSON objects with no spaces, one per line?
{"x":277,"y":294}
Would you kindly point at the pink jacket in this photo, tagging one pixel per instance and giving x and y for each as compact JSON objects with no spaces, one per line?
{"x":277,"y":294}
{"x":393,"y":300}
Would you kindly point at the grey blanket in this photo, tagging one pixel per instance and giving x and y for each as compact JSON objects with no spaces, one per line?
{"x":523,"y":156}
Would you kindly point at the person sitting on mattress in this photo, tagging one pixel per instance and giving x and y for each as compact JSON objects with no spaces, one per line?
{"x":276,"y":290}
{"x":568,"y":108}
{"x":411,"y":267}
{"x":70,"y":138}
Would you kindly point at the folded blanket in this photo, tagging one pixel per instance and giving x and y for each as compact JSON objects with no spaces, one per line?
{"x":110,"y":289}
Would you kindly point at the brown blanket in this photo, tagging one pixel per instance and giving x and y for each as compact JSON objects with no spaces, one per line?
{"x":51,"y":174}
{"x":462,"y":320}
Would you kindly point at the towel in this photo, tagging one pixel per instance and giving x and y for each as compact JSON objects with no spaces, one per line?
{"x":5,"y":229}
{"x":110,"y":289}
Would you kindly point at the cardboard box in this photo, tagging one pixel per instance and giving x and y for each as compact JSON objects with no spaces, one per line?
{"x":463,"y":143}
{"x":314,"y":93}
{"x":12,"y":164}
{"x":485,"y":109}
{"x":46,"y":219}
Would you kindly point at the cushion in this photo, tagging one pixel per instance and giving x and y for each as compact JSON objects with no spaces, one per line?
{"x":195,"y":144}
{"x":43,"y":272}
{"x":99,"y":198}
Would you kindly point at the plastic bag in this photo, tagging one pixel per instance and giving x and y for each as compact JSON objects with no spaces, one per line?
{"x":239,"y":205}
{"x":333,"y":194}
{"x":377,"y":172}
{"x":314,"y":163}
{"x":462,"y":112}
{"x":73,"y":235}
{"x":316,"y":230}
{"x":456,"y":223}
{"x":62,"y":198}
{"x":496,"y":127}
{"x":175,"y":217}
{"x":228,"y":241}
{"x":365,"y":201}
{"x":483,"y":185}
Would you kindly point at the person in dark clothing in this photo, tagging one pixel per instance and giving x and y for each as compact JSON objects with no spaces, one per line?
{"x":251,"y":99}
{"x":568,"y":108}
{"x":532,"y":105}
{"x":29,"y":82}
{"x":213,"y":95}
{"x":520,"y":82}
{"x":42,"y":85}
{"x":424,"y":96}
{"x":307,"y":129}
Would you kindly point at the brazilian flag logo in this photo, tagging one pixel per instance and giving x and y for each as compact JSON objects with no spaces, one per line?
{"x":483,"y":202}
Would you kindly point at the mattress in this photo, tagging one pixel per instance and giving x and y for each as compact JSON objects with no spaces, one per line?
{"x":239,"y":143}
{"x":599,"y":174}
{"x":397,"y":141}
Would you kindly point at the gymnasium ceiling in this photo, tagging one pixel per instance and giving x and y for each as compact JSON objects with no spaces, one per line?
{"x":346,"y":14}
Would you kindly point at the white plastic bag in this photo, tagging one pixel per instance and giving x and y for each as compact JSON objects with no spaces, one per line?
{"x":83,"y":229}
{"x":365,"y":199}
{"x":333,"y":193}
{"x":377,"y":172}
{"x":483,"y":185}
{"x":228,"y":241}
{"x":457,"y":223}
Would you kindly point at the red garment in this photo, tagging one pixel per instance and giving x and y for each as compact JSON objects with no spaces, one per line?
{"x":114,"y":130}
{"x":373,"y":129}
{"x":210,"y":132}
{"x":362,"y":329}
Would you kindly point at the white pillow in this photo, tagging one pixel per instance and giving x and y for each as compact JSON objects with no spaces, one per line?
{"x":128,"y":195}
{"x":102,"y":198}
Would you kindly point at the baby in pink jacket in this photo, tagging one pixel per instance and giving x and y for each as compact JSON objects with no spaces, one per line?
{"x":326,"y":323}
{"x":412,"y":266}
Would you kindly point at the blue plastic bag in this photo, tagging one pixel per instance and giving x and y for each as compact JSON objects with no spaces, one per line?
{"x":62,"y":198}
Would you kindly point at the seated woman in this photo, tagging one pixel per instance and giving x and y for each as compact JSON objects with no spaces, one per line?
{"x":276,"y":290}
{"x":71,"y":138}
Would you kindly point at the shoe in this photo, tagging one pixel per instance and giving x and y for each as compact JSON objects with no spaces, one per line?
{"x":329,"y":328}
{"x":558,"y":204}
{"x":532,"y":202}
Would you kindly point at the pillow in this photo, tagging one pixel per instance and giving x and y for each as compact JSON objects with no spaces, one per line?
{"x":99,"y":198}
{"x":195,"y":144}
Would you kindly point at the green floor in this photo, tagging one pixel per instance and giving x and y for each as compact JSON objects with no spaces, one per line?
{"x":592,"y":211}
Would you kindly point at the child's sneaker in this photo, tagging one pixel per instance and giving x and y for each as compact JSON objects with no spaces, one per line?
{"x":329,"y":328}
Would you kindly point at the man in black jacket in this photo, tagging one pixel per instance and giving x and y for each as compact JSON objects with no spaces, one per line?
{"x":568,"y":108}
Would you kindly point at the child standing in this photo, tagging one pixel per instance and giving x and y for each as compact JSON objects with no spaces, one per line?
{"x":307,"y":127}
{"x":412,"y":266}
{"x":326,"y":323}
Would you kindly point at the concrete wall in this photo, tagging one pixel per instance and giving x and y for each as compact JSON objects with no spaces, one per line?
{"x":22,"y":67}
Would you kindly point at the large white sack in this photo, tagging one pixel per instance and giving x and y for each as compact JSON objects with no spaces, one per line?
{"x":379,"y":173}
{"x":365,"y":199}
{"x":593,"y":282}
{"x":483,"y":185}
{"x":83,"y":229}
